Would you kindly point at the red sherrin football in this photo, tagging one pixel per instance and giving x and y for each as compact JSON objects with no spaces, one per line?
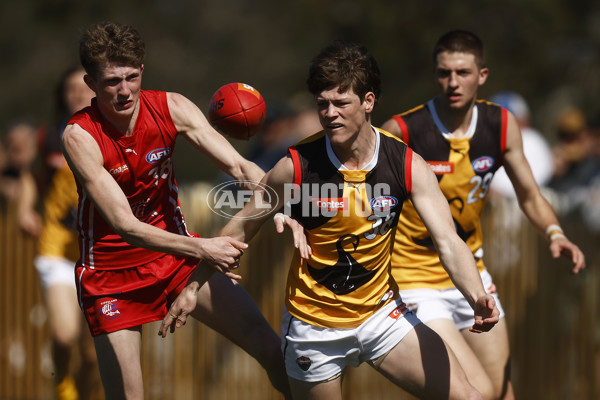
{"x":237,"y":110}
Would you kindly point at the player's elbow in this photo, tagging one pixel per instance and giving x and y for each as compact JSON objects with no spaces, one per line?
{"x":125,"y":226}
{"x":450,"y":245}
{"x":244,"y":170}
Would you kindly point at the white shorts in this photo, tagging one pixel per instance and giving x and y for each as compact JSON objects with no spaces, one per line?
{"x":316,"y":354}
{"x":431,"y":304}
{"x":55,"y":271}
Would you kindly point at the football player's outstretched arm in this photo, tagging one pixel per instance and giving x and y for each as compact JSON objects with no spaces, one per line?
{"x":455,"y":255}
{"x":194,"y":126}
{"x":534,"y":205}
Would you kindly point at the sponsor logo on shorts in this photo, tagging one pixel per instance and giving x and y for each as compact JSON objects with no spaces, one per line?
{"x":304,"y":363}
{"x":110,"y":309}
{"x":441,"y":167}
{"x":397,"y":312}
{"x":482,"y":164}
{"x":491,"y":289}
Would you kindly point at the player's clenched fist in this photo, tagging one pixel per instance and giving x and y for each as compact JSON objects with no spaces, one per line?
{"x":222,"y":253}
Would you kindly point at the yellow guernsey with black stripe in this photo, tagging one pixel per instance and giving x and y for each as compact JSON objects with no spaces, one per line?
{"x":349,"y":218}
{"x":464,"y":167}
{"x":58,"y":237}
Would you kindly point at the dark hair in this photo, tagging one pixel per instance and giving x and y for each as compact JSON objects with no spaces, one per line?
{"x":60,"y":103}
{"x":110,"y":42}
{"x":460,"y":41}
{"x":346,"y":66}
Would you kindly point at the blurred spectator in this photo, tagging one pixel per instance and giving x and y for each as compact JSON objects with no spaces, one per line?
{"x":272,"y":140}
{"x":574,"y":162}
{"x":576,"y":181}
{"x":591,"y":203}
{"x":594,"y":129}
{"x":17,"y":184}
{"x":58,"y":251}
{"x":502,"y":193}
{"x":537,"y":150}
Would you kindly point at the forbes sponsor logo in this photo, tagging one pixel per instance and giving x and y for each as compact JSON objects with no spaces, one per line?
{"x":156,"y":155}
{"x":482,"y":164}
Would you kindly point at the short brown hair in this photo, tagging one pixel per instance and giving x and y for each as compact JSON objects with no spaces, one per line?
{"x":460,"y":41}
{"x":346,"y":66}
{"x":110,"y":42}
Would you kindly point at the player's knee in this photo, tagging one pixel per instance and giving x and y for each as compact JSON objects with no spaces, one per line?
{"x":462,"y":388}
{"x":485,"y":387}
{"x":66,"y":337}
{"x":473,"y":394}
{"x":503,"y":391}
{"x":487,"y":392}
{"x":270,"y":357}
{"x":88,"y":354}
{"x":263,"y":344}
{"x":467,"y":392}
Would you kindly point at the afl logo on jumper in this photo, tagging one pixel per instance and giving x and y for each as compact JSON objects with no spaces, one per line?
{"x":383,"y":203}
{"x":156,"y":155}
{"x":482,"y":164}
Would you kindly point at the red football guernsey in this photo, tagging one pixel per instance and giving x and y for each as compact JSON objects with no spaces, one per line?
{"x":142,"y":166}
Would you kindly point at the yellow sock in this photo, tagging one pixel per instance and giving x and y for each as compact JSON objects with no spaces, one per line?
{"x":66,"y":389}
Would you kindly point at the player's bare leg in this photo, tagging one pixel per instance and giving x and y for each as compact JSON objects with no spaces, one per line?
{"x":330,"y":390}
{"x":88,"y":376}
{"x":119,"y":362}
{"x":493,"y":351}
{"x":225,"y":306}
{"x":65,"y":325}
{"x":475,"y":372}
{"x":424,"y":365}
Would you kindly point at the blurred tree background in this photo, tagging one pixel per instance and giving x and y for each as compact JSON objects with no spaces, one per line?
{"x":546,"y":50}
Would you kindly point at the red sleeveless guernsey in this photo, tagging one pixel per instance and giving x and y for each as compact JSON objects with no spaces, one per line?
{"x":142,"y":166}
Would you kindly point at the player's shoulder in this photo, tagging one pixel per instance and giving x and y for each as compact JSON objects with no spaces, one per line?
{"x":487,"y":103}
{"x":410,"y":111}
{"x":495,"y":112}
{"x":181,"y":109}
{"x":79,"y":143}
{"x":312,"y":138}
{"x":407,"y":113}
{"x":73,"y":131}
{"x":388,"y":136}
{"x":282,"y":173}
{"x":175,"y":97}
{"x":151,"y":93}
